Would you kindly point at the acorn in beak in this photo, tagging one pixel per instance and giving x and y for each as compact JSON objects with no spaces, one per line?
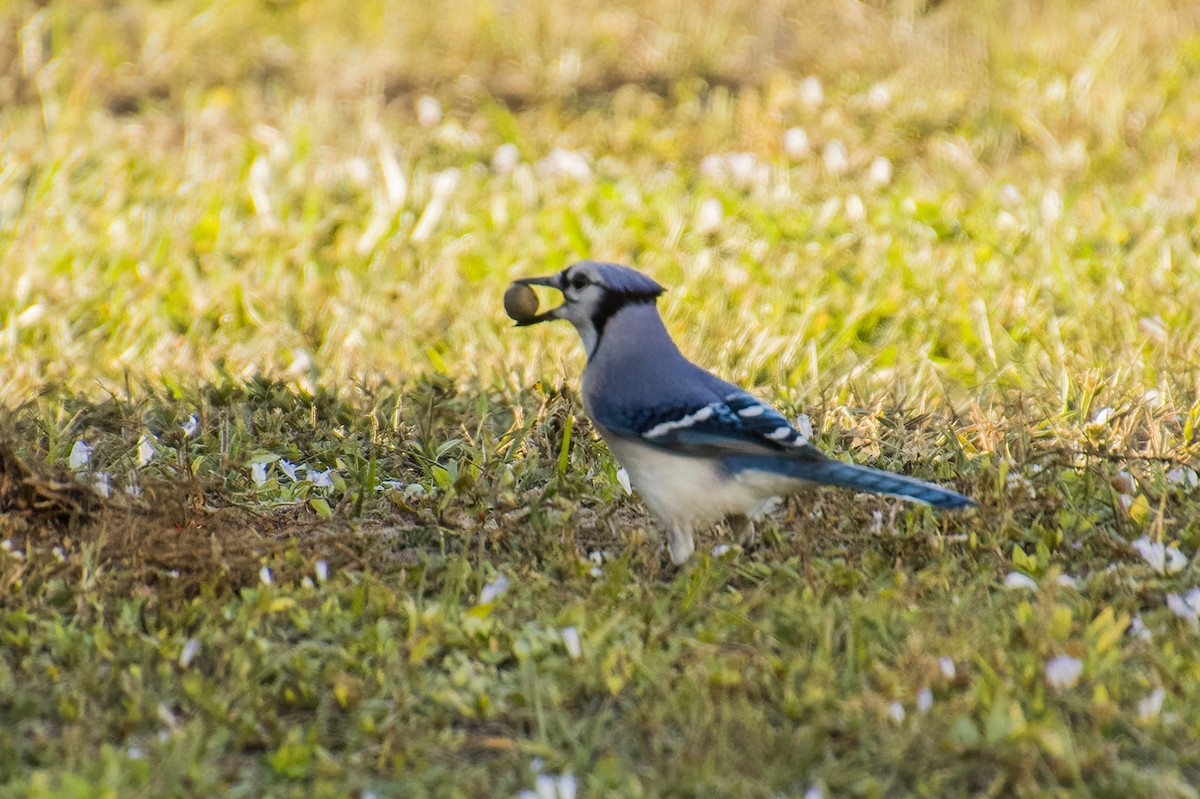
{"x":521,"y":304}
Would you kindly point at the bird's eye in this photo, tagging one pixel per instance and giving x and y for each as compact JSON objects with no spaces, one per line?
{"x":579,"y":281}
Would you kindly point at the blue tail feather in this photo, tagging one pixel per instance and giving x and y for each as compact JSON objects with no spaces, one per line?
{"x":827,"y":471}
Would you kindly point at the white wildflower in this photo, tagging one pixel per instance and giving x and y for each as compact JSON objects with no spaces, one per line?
{"x":1103,"y":416}
{"x":1063,"y":672}
{"x":548,"y":787}
{"x":562,"y":163}
{"x":101,"y":481}
{"x":896,"y":711}
{"x":855,"y":210}
{"x":795,"y":143}
{"x":258,"y":473}
{"x":741,"y":169}
{"x":1052,"y":207}
{"x":429,"y":112}
{"x":835,"y":157}
{"x":81,"y":453}
{"x":879,"y":97}
{"x":265,"y":576}
{"x":190,"y":426}
{"x":720,"y":549}
{"x":815,"y":791}
{"x":1010,"y":196}
{"x":288,"y":468}
{"x":321,"y":568}
{"x":709,"y":216}
{"x":492,"y":591}
{"x":811,"y":92}
{"x":506,"y":158}
{"x":924,"y":700}
{"x":1067,"y":581}
{"x":570,"y":639}
{"x":880,"y":173}
{"x":947,"y":668}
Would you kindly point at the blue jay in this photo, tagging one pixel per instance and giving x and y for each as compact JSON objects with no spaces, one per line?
{"x":698,"y":449}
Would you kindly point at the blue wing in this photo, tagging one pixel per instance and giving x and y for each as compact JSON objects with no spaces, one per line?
{"x":739,"y":424}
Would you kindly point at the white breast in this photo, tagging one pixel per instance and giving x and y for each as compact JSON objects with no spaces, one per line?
{"x":692,"y":491}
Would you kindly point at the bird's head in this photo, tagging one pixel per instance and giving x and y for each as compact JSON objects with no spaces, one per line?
{"x":592,"y":292}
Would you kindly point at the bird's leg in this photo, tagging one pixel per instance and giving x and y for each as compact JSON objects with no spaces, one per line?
{"x":743,"y":530}
{"x":680,"y":542}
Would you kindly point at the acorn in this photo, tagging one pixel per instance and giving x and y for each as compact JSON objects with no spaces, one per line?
{"x":520,"y":303}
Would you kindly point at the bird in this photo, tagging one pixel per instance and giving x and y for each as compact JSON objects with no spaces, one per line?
{"x":697,"y":448}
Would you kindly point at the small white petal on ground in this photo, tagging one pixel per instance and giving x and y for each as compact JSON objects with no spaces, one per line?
{"x":492,"y":591}
{"x":1063,"y":672}
{"x":1186,"y":606}
{"x":191,"y":648}
{"x":81,"y":453}
{"x":1019,"y":581}
{"x":102,"y":484}
{"x":1183,"y":476}
{"x":570,"y":639}
{"x":623,"y":479}
{"x":1150,"y":707}
{"x":720,"y":549}
{"x":265,"y":576}
{"x":146,"y":450}
{"x":803,"y":425}
{"x":1139,"y":630}
{"x":1164,"y":559}
{"x":321,"y":479}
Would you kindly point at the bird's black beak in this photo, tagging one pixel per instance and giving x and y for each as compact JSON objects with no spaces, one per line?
{"x":554,"y":282}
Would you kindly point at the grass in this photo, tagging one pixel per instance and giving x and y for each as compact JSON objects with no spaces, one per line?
{"x":358,"y":536}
